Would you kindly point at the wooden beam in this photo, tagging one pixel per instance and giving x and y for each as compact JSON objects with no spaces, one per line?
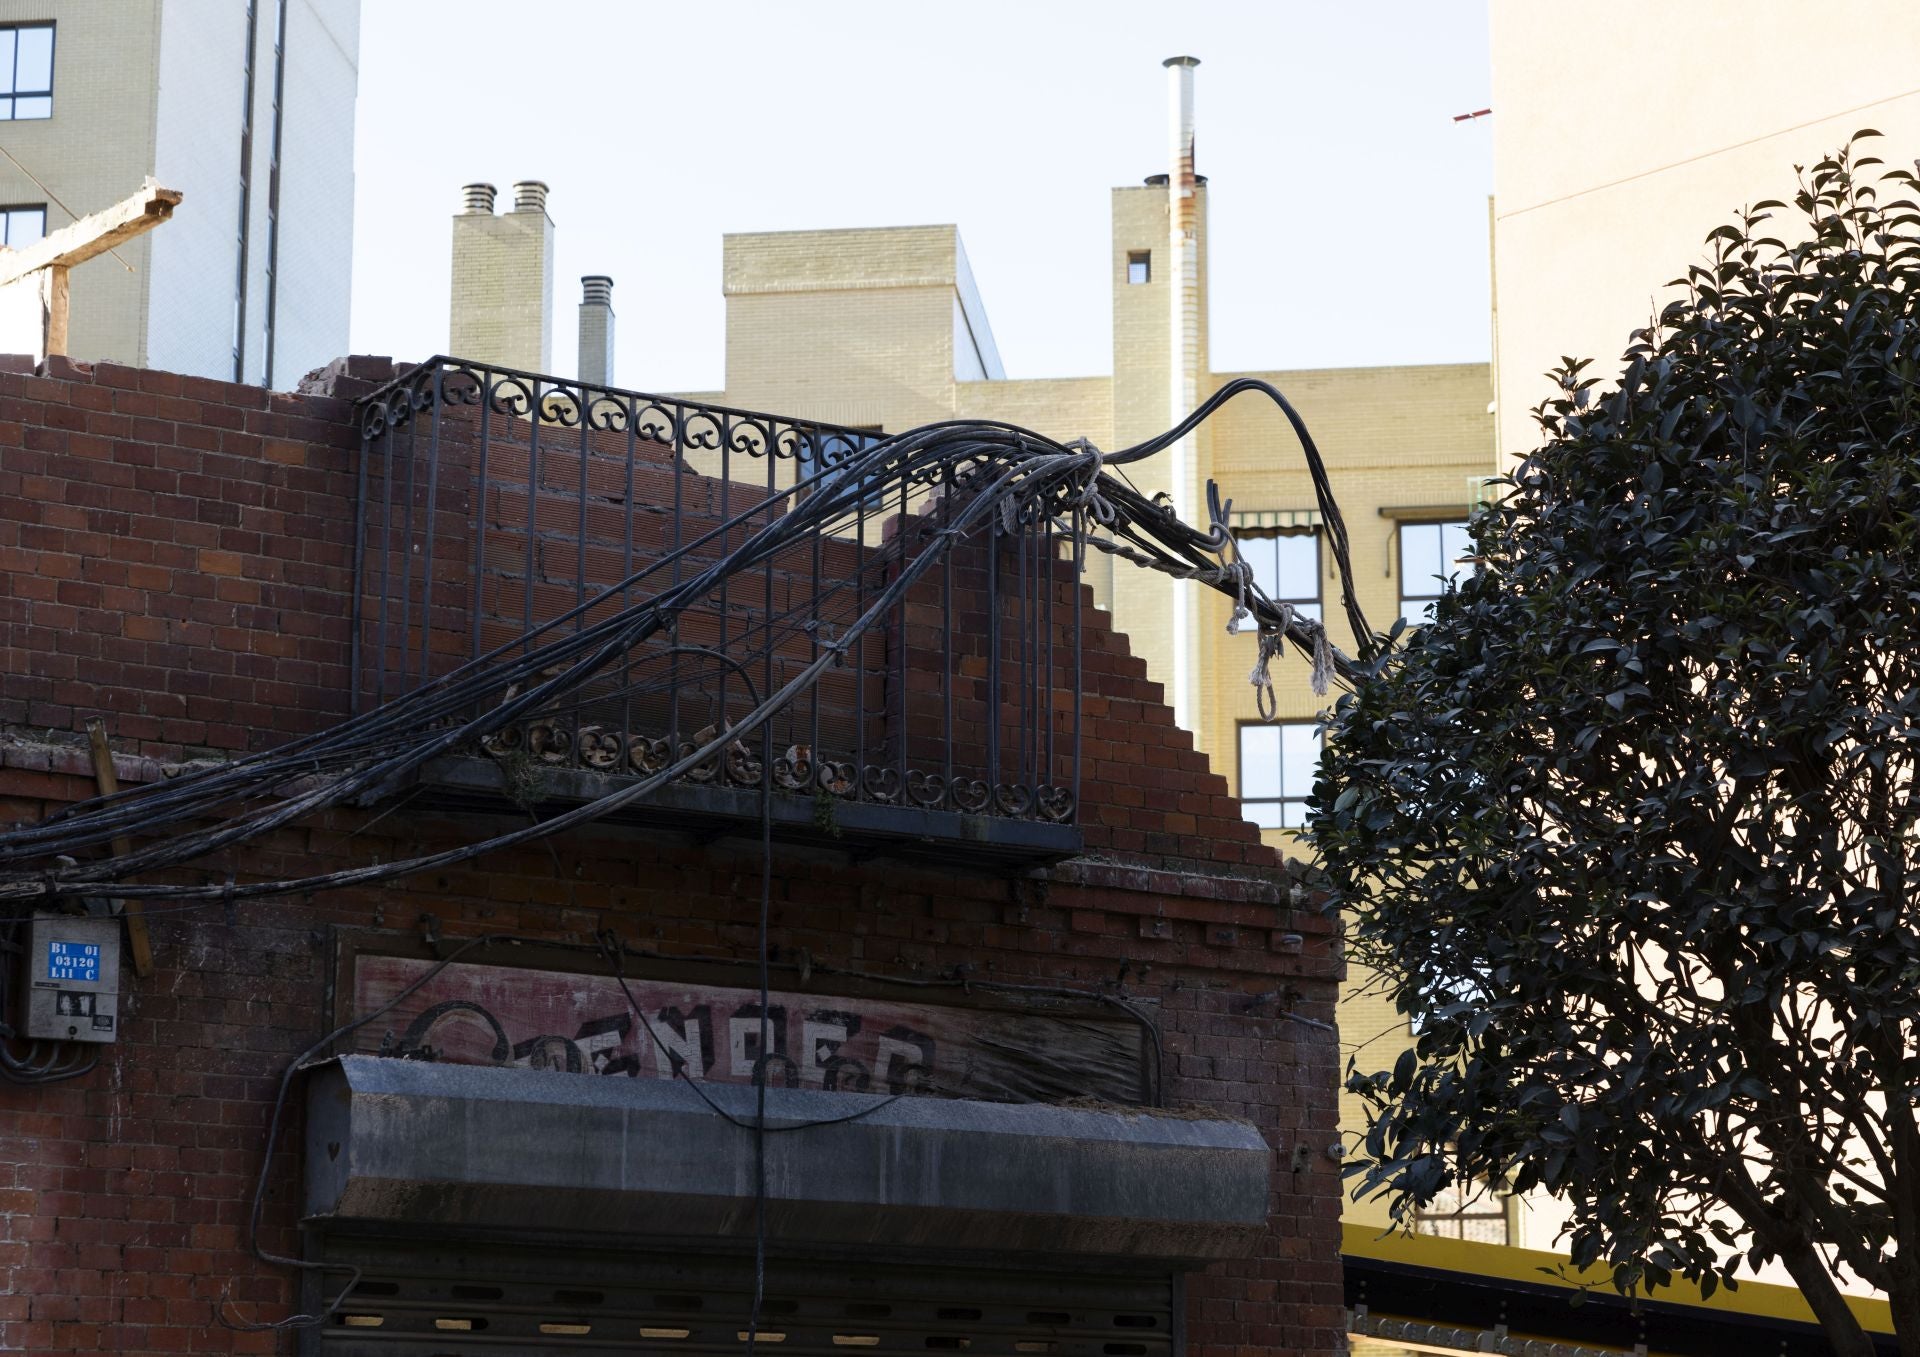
{"x":109,"y":782}
{"x":93,"y":234}
{"x":56,"y":309}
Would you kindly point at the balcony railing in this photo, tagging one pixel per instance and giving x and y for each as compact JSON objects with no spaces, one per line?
{"x":497,"y":507}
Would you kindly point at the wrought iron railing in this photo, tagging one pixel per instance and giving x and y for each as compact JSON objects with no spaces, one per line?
{"x":497,"y":508}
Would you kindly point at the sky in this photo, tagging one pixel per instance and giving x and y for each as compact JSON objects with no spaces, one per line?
{"x":1348,"y":210}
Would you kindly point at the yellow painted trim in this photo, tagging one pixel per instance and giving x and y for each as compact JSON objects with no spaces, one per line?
{"x":1762,"y":1299}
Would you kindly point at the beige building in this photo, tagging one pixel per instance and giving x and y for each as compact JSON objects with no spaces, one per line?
{"x":247,"y":108}
{"x":1619,"y":144}
{"x":885,"y":328}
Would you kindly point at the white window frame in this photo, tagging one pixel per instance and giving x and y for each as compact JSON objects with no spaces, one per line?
{"x":1269,"y":769}
{"x":1256,"y":542}
{"x":8,"y":212}
{"x":1419,"y":592}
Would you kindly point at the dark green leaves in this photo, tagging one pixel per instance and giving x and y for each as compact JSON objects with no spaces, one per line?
{"x":1631,"y":827}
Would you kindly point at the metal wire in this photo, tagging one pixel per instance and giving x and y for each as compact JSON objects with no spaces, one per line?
{"x":992,"y":475}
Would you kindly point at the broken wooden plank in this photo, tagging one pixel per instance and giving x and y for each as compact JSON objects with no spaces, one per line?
{"x":138,"y":941}
{"x":57,"y":298}
{"x":93,"y":234}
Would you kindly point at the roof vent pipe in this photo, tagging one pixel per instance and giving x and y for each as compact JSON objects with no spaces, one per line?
{"x":529,"y":195}
{"x":1183,"y":366}
{"x":477,"y":199}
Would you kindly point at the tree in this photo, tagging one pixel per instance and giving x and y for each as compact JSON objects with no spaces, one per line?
{"x":1632,"y":826}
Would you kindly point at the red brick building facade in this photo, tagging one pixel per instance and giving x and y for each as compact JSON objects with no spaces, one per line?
{"x":177,"y":558}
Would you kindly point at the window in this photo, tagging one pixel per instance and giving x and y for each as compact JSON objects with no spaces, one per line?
{"x":1286,"y":566}
{"x":1140,"y":266}
{"x":1454,"y":1214}
{"x":1430,"y":560}
{"x":26,"y":71}
{"x":1277,"y":764}
{"x":21,"y":225}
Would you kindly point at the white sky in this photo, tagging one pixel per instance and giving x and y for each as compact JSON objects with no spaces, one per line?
{"x":1349,"y":216}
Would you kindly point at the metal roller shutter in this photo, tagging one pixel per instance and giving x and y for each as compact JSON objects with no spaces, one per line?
{"x":440,"y":1300}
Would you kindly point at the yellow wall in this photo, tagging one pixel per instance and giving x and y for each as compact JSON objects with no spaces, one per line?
{"x":855,"y":327}
{"x":1619,"y":144}
{"x":1392,"y":438}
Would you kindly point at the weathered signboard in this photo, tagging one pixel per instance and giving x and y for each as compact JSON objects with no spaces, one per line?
{"x":563,"y":1020}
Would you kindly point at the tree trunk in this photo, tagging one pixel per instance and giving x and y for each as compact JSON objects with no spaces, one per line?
{"x":1844,"y":1332}
{"x":1903,"y":1296}
{"x":1802,"y":1261}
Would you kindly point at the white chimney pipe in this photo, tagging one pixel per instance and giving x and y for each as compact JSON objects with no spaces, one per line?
{"x":1183,"y":350}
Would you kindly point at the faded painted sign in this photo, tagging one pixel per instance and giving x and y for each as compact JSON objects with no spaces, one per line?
{"x":559,"y":1020}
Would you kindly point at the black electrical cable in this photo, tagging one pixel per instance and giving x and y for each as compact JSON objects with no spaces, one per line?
{"x":612,"y":948}
{"x":299,"y":1064}
{"x":760,"y":1083}
{"x":609,"y":947}
{"x":995,"y":470}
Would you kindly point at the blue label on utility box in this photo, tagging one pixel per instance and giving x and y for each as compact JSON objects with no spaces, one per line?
{"x":73,"y":961}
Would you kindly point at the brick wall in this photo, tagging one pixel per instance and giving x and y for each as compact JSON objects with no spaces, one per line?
{"x":176,"y":559}
{"x":172,"y":557}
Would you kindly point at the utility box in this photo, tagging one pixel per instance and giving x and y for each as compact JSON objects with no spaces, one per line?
{"x":73,"y":979}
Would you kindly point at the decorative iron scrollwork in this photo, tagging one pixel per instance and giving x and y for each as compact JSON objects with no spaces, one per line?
{"x":648,"y":756}
{"x":1056,"y":803}
{"x":506,"y":740}
{"x":880,"y":784}
{"x":600,"y":748}
{"x":793,"y":771}
{"x":926,"y":789}
{"x":550,"y":741}
{"x":705,"y":442}
{"x":708,"y":770}
{"x":743,"y":769}
{"x":970,"y":795}
{"x":837,"y":778}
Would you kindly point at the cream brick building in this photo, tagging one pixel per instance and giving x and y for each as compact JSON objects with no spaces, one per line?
{"x":885,"y":328}
{"x":1585,"y":244}
{"x":247,"y":108}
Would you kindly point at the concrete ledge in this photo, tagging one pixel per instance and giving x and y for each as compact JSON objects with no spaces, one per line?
{"x":460,"y":1145}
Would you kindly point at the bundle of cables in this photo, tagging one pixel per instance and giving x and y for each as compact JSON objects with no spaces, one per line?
{"x":989,"y":472}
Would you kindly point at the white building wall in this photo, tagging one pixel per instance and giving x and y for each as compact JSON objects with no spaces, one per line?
{"x":190,"y":289}
{"x":316,"y":187}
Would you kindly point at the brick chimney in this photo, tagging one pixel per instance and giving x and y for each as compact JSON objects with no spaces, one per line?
{"x":502,"y":310}
{"x":596,"y":330}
